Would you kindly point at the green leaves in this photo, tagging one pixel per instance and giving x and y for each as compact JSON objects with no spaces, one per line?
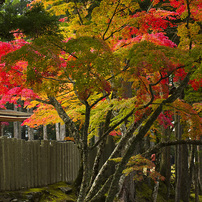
{"x":90,"y":63}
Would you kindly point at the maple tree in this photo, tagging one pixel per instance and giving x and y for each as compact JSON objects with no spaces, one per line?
{"x":109,"y":72}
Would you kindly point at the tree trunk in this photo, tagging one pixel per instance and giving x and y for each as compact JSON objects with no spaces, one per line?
{"x":191,"y":167}
{"x":30,"y":133}
{"x":200,"y":168}
{"x":30,"y":130}
{"x":62,"y":132}
{"x":127,"y":193}
{"x":184,"y":175}
{"x":17,"y":126}
{"x":57,"y":129}
{"x":196,"y":176}
{"x":181,"y":167}
{"x":178,"y":166}
{"x":45,"y":133}
{"x":165,"y":165}
{"x":155,"y":191}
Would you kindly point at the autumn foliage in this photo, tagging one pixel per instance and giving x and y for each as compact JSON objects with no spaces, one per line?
{"x":123,"y":60}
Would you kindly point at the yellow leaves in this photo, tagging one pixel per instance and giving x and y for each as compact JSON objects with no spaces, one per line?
{"x":110,"y":17}
{"x":142,"y":166}
{"x":188,"y":35}
{"x":33,"y":104}
{"x":197,"y":107}
{"x":117,"y":160}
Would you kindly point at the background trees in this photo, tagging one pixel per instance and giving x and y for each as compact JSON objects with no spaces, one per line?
{"x":110,"y":68}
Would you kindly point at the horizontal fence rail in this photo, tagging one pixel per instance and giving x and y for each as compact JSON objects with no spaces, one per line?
{"x":26,"y":164}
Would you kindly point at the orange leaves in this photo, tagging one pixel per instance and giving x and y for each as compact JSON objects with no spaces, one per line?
{"x":192,"y":122}
{"x":43,"y":115}
{"x":142,"y":166}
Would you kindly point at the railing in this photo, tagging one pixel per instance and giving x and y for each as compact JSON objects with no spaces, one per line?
{"x":25,"y":164}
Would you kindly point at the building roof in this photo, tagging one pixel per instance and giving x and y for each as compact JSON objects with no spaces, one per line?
{"x":11,"y":115}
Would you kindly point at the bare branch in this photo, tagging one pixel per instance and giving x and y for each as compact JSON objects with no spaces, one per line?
{"x":157,"y":147}
{"x":110,"y":21}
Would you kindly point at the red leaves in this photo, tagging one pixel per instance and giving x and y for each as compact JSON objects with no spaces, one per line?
{"x":196,"y":84}
{"x":13,"y":95}
{"x":105,"y":85}
{"x":159,"y":39}
{"x":180,"y":74}
{"x":5,"y":48}
{"x":154,"y":20}
{"x":115,"y":133}
{"x":165,"y":119}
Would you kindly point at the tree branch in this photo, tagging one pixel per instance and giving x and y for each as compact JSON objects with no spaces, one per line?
{"x":157,"y":147}
{"x":67,"y":120}
{"x":98,"y":100}
{"x":110,"y":21}
{"x":81,"y":21}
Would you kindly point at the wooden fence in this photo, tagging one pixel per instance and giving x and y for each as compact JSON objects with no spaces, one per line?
{"x":25,"y":164}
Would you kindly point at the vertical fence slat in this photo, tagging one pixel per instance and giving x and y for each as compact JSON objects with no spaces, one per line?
{"x":53,"y":162}
{"x":20,"y":175}
{"x":2,"y":164}
{"x":23,"y":165}
{"x":34,"y":163}
{"x":48,"y":163}
{"x":7,"y":164}
{"x":31,"y":148}
{"x":58,"y":171}
{"x":45,"y":162}
{"x":39,"y":164}
{"x":42,"y":176}
{"x":17,"y":164}
{"x":65,"y":162}
{"x":28,"y":164}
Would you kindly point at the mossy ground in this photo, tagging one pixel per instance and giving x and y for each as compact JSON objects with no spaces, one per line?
{"x":42,"y":194}
{"x":144,"y":193}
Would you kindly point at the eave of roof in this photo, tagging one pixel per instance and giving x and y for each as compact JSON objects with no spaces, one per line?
{"x":10,"y":115}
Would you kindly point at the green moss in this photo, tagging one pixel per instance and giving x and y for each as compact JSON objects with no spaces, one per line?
{"x":45,"y":194}
{"x":192,"y":197}
{"x":144,"y":192}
